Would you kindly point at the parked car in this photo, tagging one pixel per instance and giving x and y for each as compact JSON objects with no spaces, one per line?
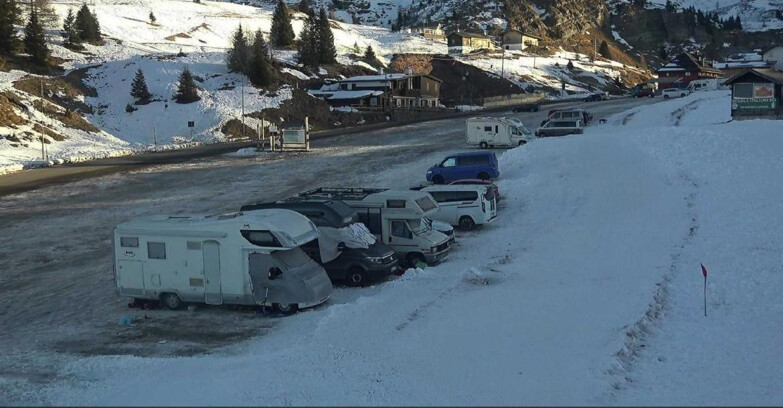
{"x":480,"y":165}
{"x":674,"y":93}
{"x":595,"y":97}
{"x":463,"y":205}
{"x":570,"y":114}
{"x":345,"y":247}
{"x":492,"y":186}
{"x":527,"y":107}
{"x":643,"y":93}
{"x":560,"y":128}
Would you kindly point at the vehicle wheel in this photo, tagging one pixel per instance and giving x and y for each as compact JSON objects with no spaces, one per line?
{"x":483,"y":145}
{"x":483,"y":176}
{"x":414,"y":259}
{"x":286,"y":309}
{"x":666,"y":97}
{"x":682,"y":95}
{"x":536,"y":109}
{"x":356,"y":277}
{"x":171,"y":301}
{"x":466,"y":223}
{"x":652,"y":95}
{"x":542,"y":134}
{"x":437,"y":179}
{"x":522,"y":142}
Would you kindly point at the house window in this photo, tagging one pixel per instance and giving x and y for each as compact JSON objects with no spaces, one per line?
{"x":743,"y":91}
{"x":156,"y":250}
{"x":129,"y":242}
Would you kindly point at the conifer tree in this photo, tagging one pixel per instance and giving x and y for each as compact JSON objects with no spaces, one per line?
{"x":239,"y":54}
{"x":304,"y":7}
{"x":153,"y":20}
{"x":70,"y":33}
{"x":739,"y":23}
{"x":87,"y":26}
{"x":9,"y":13}
{"x":34,"y":39}
{"x":139,"y":89}
{"x":663,"y":54}
{"x":187,"y":91}
{"x":369,"y":54}
{"x":570,"y":65}
{"x":260,"y":69}
{"x":356,"y":49}
{"x":282,"y":33}
{"x":307,"y":46}
{"x":604,"y":50}
{"x":327,"y":53}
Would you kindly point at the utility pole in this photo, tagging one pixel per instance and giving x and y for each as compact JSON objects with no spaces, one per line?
{"x":503,"y":62}
{"x":43,"y":144}
{"x":243,"y":106}
{"x":154,"y":137}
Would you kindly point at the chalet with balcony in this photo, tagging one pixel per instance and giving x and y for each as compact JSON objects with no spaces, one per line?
{"x":383,"y":91}
{"x":433,"y":31}
{"x":517,"y":40}
{"x":683,"y":69}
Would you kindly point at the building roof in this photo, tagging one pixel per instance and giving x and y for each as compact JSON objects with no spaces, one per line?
{"x":353,"y":94}
{"x":742,"y":64}
{"x":385,"y":77}
{"x":771,"y":48}
{"x":469,"y":35}
{"x":768,"y":74}
{"x":428,"y":25}
{"x":514,"y":30}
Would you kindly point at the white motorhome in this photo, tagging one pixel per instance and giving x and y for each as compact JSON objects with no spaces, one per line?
{"x":710,"y":84}
{"x":234,"y":258}
{"x":463,"y":205}
{"x":496,"y":132}
{"x":399,"y":218}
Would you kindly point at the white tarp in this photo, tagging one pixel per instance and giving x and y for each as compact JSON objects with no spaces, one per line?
{"x":355,"y":235}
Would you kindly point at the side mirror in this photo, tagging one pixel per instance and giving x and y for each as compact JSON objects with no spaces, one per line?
{"x":274,"y":273}
{"x":341,"y":246}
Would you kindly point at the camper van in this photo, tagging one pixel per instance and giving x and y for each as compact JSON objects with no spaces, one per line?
{"x":710,"y":84}
{"x":496,"y":132}
{"x":399,"y":218}
{"x":345,"y":247}
{"x":463,"y":205}
{"x":245,"y":259}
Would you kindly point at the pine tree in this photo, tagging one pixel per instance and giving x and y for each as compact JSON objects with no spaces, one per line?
{"x":87,"y":26}
{"x":239,"y":53}
{"x":663,"y":54}
{"x":304,"y":7}
{"x":187,"y":91}
{"x":356,"y":49}
{"x":9,"y":13}
{"x":779,"y":14}
{"x":70,"y":33}
{"x":570,"y":65}
{"x":152,"y":18}
{"x":34,"y":39}
{"x":260,"y":69}
{"x":604,"y":50}
{"x":327,"y":53}
{"x":46,"y":14}
{"x":739,"y":23}
{"x":307,"y":46}
{"x":670,"y":6}
{"x":369,"y":54}
{"x":139,"y":89}
{"x":282,"y":33}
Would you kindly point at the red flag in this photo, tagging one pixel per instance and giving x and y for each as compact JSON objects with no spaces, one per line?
{"x":703,"y":270}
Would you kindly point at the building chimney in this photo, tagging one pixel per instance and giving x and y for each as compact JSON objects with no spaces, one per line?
{"x":408,"y":70}
{"x":380,"y":70}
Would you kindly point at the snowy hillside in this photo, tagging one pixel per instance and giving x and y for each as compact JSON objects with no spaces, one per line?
{"x":756,"y":15}
{"x":586,"y":290}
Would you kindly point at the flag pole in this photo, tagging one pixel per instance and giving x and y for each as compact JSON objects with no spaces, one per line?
{"x":704,"y":272}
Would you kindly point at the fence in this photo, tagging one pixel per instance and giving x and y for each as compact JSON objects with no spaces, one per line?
{"x":511,"y":100}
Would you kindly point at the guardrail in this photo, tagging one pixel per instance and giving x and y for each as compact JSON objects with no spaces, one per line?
{"x":511,"y":100}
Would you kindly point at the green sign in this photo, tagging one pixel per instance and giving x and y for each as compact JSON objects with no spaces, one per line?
{"x":755,"y":103}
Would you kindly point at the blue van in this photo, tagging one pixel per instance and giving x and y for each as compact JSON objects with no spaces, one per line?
{"x":473,"y":165}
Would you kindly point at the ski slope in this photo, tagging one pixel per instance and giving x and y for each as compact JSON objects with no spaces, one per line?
{"x":586,"y":290}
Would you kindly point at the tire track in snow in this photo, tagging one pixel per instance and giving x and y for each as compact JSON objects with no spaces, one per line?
{"x":637,"y":334}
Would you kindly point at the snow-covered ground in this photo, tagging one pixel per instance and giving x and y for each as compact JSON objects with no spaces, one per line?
{"x":587,"y":289}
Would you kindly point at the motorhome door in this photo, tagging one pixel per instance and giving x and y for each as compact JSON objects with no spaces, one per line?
{"x":213,"y":294}
{"x":130,"y":277}
{"x":259,"y":275}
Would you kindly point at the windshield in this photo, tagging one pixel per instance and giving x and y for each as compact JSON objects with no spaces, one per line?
{"x":522,"y":129}
{"x":419,"y":227}
{"x":425,"y":203}
{"x":292,"y":258}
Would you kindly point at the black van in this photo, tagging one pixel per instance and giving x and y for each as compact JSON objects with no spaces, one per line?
{"x":354,"y":266}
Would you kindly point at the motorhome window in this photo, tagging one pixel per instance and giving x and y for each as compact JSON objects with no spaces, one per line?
{"x":450,"y":162}
{"x":420,"y":227}
{"x":261,"y":238}
{"x":487,"y":128}
{"x":292,"y":258}
{"x":496,"y":128}
{"x":156,"y":250}
{"x":425,"y":203}
{"x":400,"y":229}
{"x":129,"y":242}
{"x":395,"y":203}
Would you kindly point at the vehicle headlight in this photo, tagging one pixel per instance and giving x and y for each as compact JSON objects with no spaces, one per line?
{"x":429,"y":171}
{"x":375,"y":259}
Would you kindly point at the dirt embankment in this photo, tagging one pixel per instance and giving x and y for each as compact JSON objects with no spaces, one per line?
{"x":462,"y":84}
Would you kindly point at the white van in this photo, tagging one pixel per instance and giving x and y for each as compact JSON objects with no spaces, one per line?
{"x":463,"y":205}
{"x":246,"y":259}
{"x":709,"y":84}
{"x":397,"y":217}
{"x":496,"y":132}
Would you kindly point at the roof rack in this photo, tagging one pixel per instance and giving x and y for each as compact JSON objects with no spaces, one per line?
{"x":338,"y":193}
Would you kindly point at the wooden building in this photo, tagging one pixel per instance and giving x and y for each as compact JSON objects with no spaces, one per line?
{"x":517,"y":40}
{"x":465,"y":43}
{"x":756,"y":94}
{"x":683,"y":69}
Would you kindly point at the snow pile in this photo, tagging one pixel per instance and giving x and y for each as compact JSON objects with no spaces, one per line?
{"x":587,"y":290}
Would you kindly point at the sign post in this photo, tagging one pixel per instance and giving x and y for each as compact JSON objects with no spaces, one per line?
{"x":191,"y":125}
{"x":704,"y":272}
